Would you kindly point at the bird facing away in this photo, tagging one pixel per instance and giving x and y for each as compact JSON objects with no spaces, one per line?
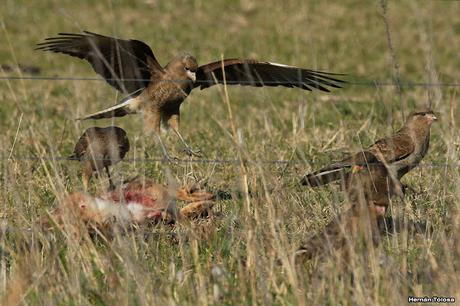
{"x":157,"y":92}
{"x":400,"y":152}
{"x":99,"y":148}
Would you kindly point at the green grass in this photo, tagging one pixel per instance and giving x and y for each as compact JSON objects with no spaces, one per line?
{"x":232,"y":258}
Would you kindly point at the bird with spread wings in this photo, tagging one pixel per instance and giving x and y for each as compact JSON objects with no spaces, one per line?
{"x":157,"y":92}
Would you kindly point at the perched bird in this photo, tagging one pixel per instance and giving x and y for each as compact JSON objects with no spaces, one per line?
{"x":157,"y":92}
{"x":369,"y":190}
{"x":99,"y":148}
{"x":400,"y":152}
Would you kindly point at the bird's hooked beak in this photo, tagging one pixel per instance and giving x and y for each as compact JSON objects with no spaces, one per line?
{"x":191,"y":75}
{"x":433,"y":117}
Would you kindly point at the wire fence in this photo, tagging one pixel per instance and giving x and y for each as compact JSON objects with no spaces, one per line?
{"x":211,"y":161}
{"x":356,"y":82}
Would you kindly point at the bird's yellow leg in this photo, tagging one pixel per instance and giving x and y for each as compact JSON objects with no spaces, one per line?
{"x":173,"y":122}
{"x":152,"y":120}
{"x":111,"y":185}
{"x":166,"y":155}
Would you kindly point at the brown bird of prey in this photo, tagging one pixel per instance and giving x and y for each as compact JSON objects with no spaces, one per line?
{"x":157,"y":92}
{"x":99,"y":148}
{"x":369,"y":190}
{"x":400,"y":152}
{"x":373,"y":185}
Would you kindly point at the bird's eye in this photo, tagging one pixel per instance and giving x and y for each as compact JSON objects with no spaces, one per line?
{"x":186,"y":68}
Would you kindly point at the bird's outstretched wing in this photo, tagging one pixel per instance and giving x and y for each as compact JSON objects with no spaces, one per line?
{"x":256,"y":73}
{"x":127,"y":65}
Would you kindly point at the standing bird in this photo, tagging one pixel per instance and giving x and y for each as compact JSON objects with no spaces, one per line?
{"x":99,"y":148}
{"x":400,"y":152}
{"x":158,"y":92}
{"x":369,"y":190}
{"x":373,"y":186}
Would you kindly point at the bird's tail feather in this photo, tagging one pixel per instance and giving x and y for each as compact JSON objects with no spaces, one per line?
{"x":323,"y":177}
{"x":125,"y":107}
{"x":337,"y":170}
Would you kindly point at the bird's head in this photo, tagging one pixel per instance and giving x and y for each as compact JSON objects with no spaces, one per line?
{"x":183,"y":67}
{"x":424,"y":118}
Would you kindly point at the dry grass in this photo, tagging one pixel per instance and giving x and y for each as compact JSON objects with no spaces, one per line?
{"x":242,"y":255}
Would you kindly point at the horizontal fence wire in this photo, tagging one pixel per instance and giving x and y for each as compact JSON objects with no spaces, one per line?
{"x":370,"y":83}
{"x":208,"y":161}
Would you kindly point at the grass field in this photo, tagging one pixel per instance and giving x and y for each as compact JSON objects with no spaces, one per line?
{"x":242,"y":255}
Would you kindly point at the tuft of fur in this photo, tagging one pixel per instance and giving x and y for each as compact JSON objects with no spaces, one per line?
{"x":140,"y":201}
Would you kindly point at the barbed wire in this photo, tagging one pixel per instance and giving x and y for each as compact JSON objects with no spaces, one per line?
{"x":370,"y":83}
